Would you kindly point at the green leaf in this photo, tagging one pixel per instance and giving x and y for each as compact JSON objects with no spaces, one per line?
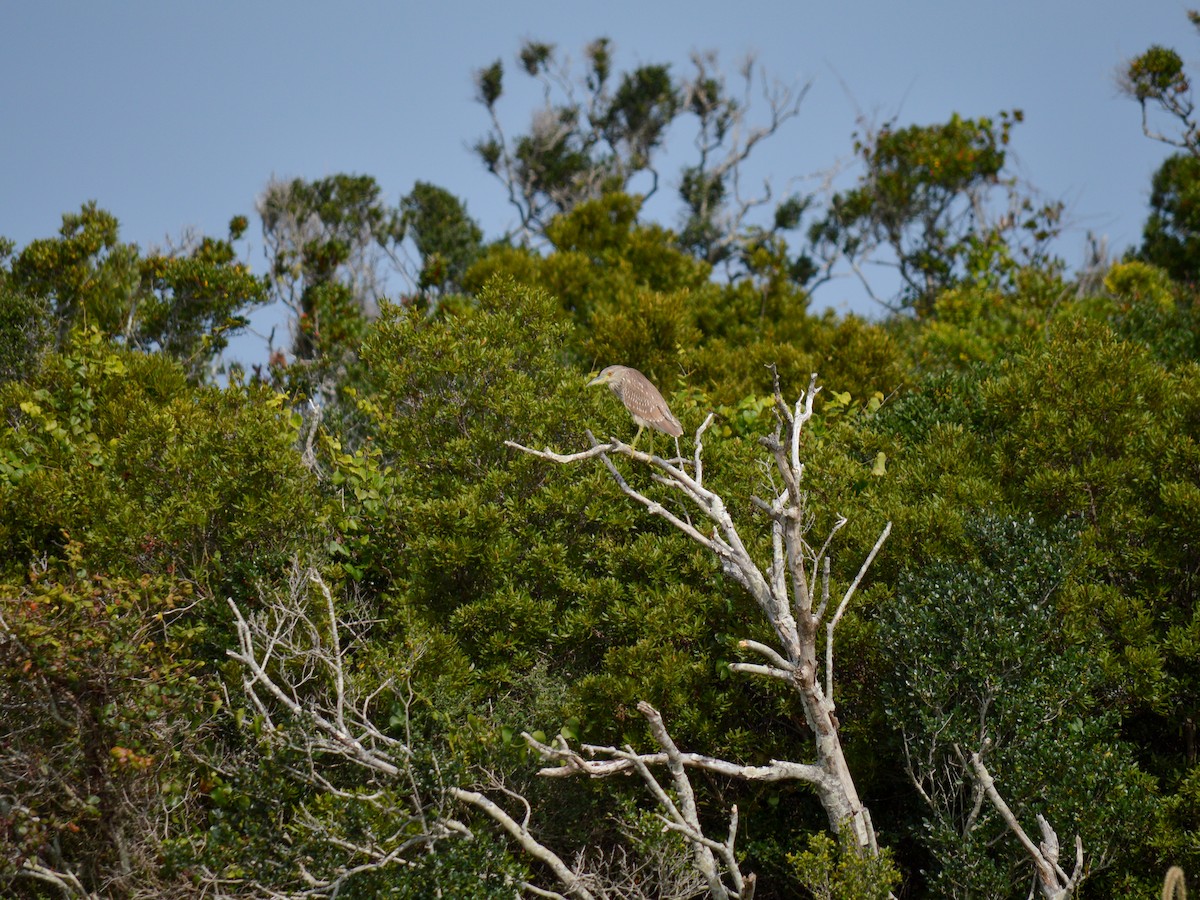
{"x":879,"y":468}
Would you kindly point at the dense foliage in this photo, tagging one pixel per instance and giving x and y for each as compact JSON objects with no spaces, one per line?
{"x":1033,"y":437}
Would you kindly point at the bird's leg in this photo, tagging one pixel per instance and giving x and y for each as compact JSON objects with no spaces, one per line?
{"x":633,"y":446}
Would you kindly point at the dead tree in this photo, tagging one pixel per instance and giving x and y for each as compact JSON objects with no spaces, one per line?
{"x":785,"y":590}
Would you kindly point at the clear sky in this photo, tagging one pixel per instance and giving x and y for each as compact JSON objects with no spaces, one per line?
{"x":174,"y":115}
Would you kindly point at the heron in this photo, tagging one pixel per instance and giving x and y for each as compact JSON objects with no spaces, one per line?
{"x":642,"y":399}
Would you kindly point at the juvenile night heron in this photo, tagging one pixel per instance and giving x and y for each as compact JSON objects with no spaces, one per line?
{"x":642,"y":399}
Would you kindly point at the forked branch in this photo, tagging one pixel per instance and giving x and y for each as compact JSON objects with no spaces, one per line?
{"x":1052,"y":879}
{"x":715,"y":860}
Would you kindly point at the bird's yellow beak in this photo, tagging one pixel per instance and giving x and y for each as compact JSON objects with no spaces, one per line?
{"x":599,"y":379}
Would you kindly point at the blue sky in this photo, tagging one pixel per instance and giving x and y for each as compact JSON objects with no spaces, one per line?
{"x":174,"y":115}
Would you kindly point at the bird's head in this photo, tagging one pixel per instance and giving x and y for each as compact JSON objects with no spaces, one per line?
{"x":606,"y":376}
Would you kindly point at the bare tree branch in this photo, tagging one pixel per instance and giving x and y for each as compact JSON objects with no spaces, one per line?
{"x":842,"y":608}
{"x":67,"y":882}
{"x":566,"y":876}
{"x":715,"y":860}
{"x":1054,"y":882}
{"x":616,"y":762}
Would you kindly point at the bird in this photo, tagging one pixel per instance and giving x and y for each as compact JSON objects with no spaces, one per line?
{"x":641,"y":398}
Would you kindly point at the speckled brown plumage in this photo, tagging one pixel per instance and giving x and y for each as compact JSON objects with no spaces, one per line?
{"x":641,"y":398}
